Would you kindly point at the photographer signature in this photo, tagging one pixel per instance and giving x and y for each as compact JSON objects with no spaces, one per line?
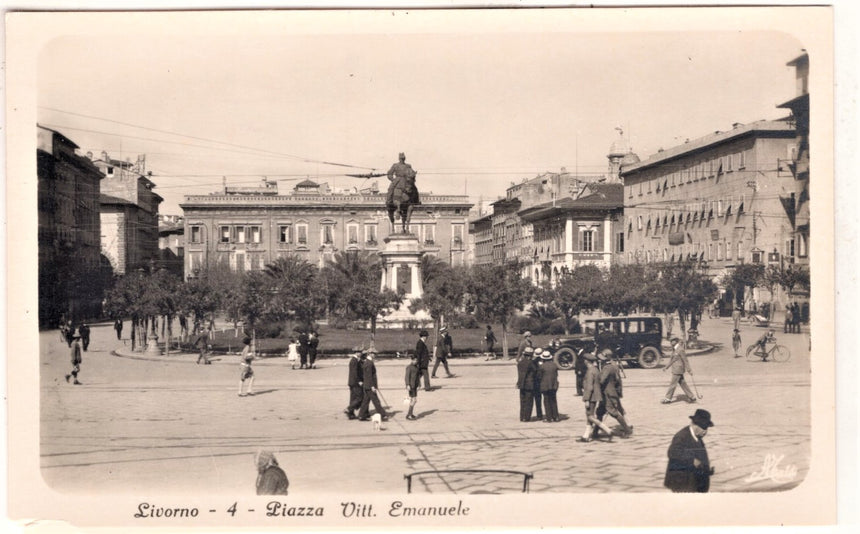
{"x":771,"y":470}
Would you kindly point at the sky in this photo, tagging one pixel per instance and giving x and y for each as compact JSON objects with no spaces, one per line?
{"x":473,"y":111}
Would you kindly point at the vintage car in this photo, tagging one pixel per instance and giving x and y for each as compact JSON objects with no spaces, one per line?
{"x":635,"y":340}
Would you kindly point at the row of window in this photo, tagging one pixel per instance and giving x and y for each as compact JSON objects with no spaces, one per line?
{"x":721,"y":251}
{"x":691,"y":173}
{"x":690,"y":213}
{"x":298,"y":233}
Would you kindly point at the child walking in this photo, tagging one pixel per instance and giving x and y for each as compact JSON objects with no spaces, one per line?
{"x":247,"y":373}
{"x":293,"y":352}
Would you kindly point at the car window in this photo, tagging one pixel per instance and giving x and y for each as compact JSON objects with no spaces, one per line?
{"x":633,"y":327}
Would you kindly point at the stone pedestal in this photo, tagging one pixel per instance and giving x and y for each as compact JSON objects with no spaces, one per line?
{"x":401,"y":268}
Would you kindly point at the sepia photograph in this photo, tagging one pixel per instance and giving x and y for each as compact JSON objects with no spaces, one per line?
{"x":421,"y":268}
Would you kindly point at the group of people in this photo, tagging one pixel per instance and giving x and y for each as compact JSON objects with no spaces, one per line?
{"x":364,"y":386}
{"x":793,"y":317}
{"x":303,"y":350}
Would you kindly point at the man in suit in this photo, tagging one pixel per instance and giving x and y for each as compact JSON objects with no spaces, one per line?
{"x":423,"y":358}
{"x":610,"y":385}
{"x":369,"y":386}
{"x":679,"y":365}
{"x":689,"y":470}
{"x":444,"y":347}
{"x":536,"y":395}
{"x":591,"y":396}
{"x":313,"y":343}
{"x":202,"y":344}
{"x":548,"y":376}
{"x":525,"y":383}
{"x":303,"y":349}
{"x":84,"y":331}
{"x":354,"y":382}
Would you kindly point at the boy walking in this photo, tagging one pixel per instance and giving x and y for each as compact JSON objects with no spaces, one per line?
{"x":246,"y":372}
{"x":413,"y":377}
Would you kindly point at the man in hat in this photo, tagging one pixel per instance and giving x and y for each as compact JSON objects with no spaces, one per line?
{"x":76,"y":358}
{"x":536,"y":394}
{"x":271,"y":479}
{"x":413,"y":381}
{"x":84,"y":330}
{"x":444,"y":347}
{"x":579,"y":368}
{"x":313,"y":343}
{"x":736,"y":317}
{"x":490,"y":340}
{"x":610,"y":387}
{"x":303,"y":348}
{"x":525,"y":342}
{"x":202,"y":343}
{"x":591,"y":396}
{"x":354,"y":382}
{"x":369,"y":385}
{"x":679,"y":365}
{"x":525,"y":383}
{"x":548,"y":376}
{"x":423,"y":358}
{"x":689,"y":470}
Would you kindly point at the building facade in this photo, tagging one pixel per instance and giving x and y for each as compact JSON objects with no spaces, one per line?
{"x":250,"y":228}
{"x":717,"y":200}
{"x":129,"y":215}
{"x":171,"y":243}
{"x":68,"y":190}
{"x":481,"y":230}
{"x":798,"y":200}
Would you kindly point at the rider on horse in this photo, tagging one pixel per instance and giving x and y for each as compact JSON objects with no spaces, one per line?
{"x":402,"y":193}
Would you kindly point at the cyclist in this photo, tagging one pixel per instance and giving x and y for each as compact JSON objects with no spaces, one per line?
{"x":762,"y":342}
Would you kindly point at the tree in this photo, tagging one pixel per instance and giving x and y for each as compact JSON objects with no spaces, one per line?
{"x":681,"y":287}
{"x":575,"y":291}
{"x":496,"y":292}
{"x":746,"y":275}
{"x":352,"y":281}
{"x":444,"y":288}
{"x":294,"y":287}
{"x":624,"y":289}
{"x":200,"y":299}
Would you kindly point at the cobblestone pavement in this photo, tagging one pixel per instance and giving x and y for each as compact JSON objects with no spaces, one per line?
{"x":166,"y":424}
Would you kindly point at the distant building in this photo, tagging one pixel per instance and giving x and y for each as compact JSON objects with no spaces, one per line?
{"x":129,"y":214}
{"x":249,"y":228}
{"x":481,"y":230}
{"x":797,"y":200}
{"x":717,"y":200}
{"x":69,"y":229}
{"x":171,"y":243}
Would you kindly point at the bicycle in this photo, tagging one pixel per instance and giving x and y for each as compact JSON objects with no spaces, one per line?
{"x":777,"y":353}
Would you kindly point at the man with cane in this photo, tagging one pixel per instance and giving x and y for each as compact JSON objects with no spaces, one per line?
{"x":368,"y":375}
{"x":679,"y":365}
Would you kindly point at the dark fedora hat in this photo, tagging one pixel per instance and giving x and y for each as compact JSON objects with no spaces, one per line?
{"x":702,"y":418}
{"x":423,"y":333}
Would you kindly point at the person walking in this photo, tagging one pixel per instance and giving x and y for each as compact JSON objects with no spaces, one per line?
{"x":313,"y":344}
{"x":591,"y":397}
{"x":84,"y":331}
{"x":70,"y":332}
{"x":293,"y":352}
{"x":413,"y":380}
{"x":526,"y":341}
{"x":536,"y":393}
{"x":444,"y":348}
{"x":117,"y":325}
{"x":246,"y":371}
{"x":202,"y":344}
{"x":548,"y":377}
{"x":579,"y":369}
{"x":689,"y":470}
{"x":76,"y":359}
{"x":796,"y":317}
{"x":271,"y":479}
{"x":611,"y":388}
{"x":525,"y":383}
{"x":490,"y":341}
{"x":369,"y":387}
{"x":736,"y":317}
{"x":423,"y":354}
{"x":788,"y":323}
{"x":303,"y":349}
{"x":679,"y":365}
{"x":354,"y":382}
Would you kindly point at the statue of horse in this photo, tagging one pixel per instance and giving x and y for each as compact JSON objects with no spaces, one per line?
{"x":403,"y":197}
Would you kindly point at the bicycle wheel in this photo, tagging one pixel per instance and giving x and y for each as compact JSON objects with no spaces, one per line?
{"x":780,"y":353}
{"x":752,"y":354}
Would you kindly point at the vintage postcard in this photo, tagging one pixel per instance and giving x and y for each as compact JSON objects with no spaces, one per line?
{"x":398,"y":269}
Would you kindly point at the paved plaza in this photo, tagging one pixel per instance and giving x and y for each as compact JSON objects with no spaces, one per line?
{"x":166,"y":424}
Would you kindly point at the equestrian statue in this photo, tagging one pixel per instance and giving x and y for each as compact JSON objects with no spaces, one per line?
{"x":402,"y":192}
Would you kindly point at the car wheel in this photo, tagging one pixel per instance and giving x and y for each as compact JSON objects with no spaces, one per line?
{"x":649,"y":357}
{"x":565,"y":358}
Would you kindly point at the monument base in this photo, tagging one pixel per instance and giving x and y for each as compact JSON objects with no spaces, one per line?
{"x":403,"y":318}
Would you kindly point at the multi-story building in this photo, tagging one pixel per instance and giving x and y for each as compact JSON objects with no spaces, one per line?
{"x":248,"y":228}
{"x":575,"y":231}
{"x":717,"y":199}
{"x":481,"y":230}
{"x":171,"y":243}
{"x":69,"y":229}
{"x":797,"y":201}
{"x":129,"y":214}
